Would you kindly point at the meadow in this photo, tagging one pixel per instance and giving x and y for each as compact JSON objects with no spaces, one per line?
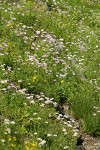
{"x":49,"y":73}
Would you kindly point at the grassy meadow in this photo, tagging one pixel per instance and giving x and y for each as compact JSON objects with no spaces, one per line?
{"x":49,"y":73}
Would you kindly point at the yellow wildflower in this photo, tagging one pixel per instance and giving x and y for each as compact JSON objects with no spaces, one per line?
{"x":9,"y":139}
{"x":30,"y":146}
{"x":34,"y":145}
{"x":12,"y":145}
{"x":14,"y":138}
{"x":62,"y":81}
{"x":35,"y":78}
{"x":26,"y":148}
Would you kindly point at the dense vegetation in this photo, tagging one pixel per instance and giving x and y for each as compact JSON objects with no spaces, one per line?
{"x":49,"y":58}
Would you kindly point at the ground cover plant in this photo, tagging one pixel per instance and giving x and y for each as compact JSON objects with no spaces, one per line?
{"x":49,"y":70}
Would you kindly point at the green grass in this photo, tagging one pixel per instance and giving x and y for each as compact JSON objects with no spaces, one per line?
{"x":49,"y":55}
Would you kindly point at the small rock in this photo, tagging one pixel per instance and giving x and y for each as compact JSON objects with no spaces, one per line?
{"x":81,"y":147}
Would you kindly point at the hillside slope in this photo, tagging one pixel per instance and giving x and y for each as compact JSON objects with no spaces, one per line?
{"x":49,"y":74}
